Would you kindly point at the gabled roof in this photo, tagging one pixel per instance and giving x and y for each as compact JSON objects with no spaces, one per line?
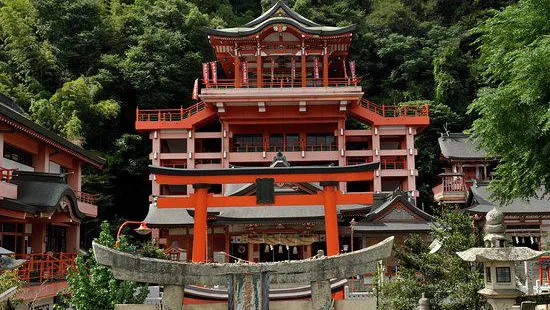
{"x":13,"y":115}
{"x":481,"y":202}
{"x":277,"y":14}
{"x":460,"y":146}
{"x":395,"y":214}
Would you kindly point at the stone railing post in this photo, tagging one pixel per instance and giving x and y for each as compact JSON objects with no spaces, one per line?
{"x":172,"y":297}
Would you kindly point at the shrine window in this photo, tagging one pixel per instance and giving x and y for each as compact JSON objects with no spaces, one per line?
{"x":488,"y":274}
{"x":321,"y":142}
{"x":504,"y":275}
{"x":247,"y":143}
{"x":17,"y":155}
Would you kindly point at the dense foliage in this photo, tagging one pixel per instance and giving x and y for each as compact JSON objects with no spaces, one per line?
{"x":93,"y":286}
{"x":514,"y":105}
{"x":449,"y":282}
{"x":80,"y":67}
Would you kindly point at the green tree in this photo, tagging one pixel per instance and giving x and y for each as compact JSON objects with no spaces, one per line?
{"x":92,"y":286}
{"x":448,"y":281}
{"x":514,"y":122}
{"x":75,"y":111}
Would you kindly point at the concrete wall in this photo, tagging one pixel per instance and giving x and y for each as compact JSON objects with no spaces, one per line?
{"x":366,"y":304}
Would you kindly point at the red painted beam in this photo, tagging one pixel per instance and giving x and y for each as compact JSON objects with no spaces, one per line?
{"x":250,"y":201}
{"x":279,"y":178}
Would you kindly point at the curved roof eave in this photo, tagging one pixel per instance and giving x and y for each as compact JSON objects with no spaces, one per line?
{"x":232,"y":32}
{"x":280,"y":5}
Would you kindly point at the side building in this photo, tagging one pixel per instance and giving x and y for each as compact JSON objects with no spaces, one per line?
{"x":41,"y":202}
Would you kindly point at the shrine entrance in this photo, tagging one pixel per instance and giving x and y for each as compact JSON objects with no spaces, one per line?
{"x":265,"y":179}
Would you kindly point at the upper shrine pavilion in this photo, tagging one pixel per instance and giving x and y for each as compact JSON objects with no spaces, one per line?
{"x":282,"y":84}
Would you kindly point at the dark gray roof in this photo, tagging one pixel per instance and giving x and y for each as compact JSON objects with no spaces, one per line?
{"x":167,"y":217}
{"x":13,"y":115}
{"x":393,"y":226}
{"x":181,"y":216}
{"x":277,"y":14}
{"x":39,"y":192}
{"x":460,"y":146}
{"x":482,"y":203}
{"x":397,"y":196}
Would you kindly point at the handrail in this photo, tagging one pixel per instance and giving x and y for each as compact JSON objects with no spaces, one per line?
{"x":453,"y":184}
{"x":395,"y":110}
{"x":7,"y":173}
{"x":168,"y":115}
{"x":43,"y":267}
{"x":283,"y":82}
{"x":391,"y":164}
{"x":86,"y":197}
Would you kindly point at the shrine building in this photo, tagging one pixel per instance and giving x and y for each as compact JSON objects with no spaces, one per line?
{"x":283,"y":92}
{"x":42,"y":204}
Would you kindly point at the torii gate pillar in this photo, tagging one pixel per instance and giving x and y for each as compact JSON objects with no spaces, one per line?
{"x":331,"y":217}
{"x":200,"y":226}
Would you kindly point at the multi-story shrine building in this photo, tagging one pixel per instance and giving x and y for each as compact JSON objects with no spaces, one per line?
{"x":283,"y":83}
{"x":41,"y":202}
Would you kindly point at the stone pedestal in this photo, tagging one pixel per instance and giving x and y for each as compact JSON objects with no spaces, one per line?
{"x":172,"y":298}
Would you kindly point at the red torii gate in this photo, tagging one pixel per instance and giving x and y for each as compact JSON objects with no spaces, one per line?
{"x":327,"y":176}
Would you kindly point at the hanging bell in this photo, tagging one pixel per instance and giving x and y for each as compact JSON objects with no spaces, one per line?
{"x":280,"y":249}
{"x":532,"y":241}
{"x":517,"y":239}
{"x":295,"y":250}
{"x":266,"y":248}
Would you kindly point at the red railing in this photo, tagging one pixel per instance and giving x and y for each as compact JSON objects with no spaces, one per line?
{"x":391,"y":164}
{"x":357,"y":160}
{"x":86,"y":197}
{"x":322,"y":147}
{"x":182,"y":165}
{"x":7,"y":173}
{"x":168,"y":115}
{"x":395,"y":110}
{"x":278,"y":82}
{"x":45,"y":267}
{"x":208,"y":161}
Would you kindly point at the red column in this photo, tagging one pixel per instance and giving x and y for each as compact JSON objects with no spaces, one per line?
{"x":200,"y":226}
{"x":303,"y":59}
{"x":237,"y":70}
{"x":331,"y":218}
{"x":259,"y":73}
{"x":325,"y":68}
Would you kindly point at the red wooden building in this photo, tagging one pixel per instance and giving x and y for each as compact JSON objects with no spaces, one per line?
{"x":280,"y":83}
{"x":41,"y":202}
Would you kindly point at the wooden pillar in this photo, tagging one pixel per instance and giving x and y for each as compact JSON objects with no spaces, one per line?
{"x":377,"y":181}
{"x":41,"y":161}
{"x":237,"y":69}
{"x":190,"y":163}
{"x":200,"y":226}
{"x":325,"y":68}
{"x":73,"y":238}
{"x":341,"y":138}
{"x":1,"y":149}
{"x":411,"y":170}
{"x":259,"y":72}
{"x":304,"y":72}
{"x":75,"y":178}
{"x":331,"y":218}
{"x":38,"y":244}
{"x":227,"y":243}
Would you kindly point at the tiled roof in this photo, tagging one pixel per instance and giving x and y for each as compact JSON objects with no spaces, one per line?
{"x":481,"y":202}
{"x":460,"y":146}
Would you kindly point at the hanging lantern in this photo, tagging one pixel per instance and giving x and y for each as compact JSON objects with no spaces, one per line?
{"x":532,"y":241}
{"x":517,"y":239}
{"x":280,"y":249}
{"x":266,"y":248}
{"x":295,"y":250}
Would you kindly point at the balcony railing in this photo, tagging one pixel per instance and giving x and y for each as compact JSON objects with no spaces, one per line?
{"x":283,"y":83}
{"x":395,"y":110}
{"x":86,"y":197}
{"x":45,"y":267}
{"x":254,"y":147}
{"x":387,"y":164}
{"x":168,"y":115}
{"x":451,"y":189}
{"x":6,"y":174}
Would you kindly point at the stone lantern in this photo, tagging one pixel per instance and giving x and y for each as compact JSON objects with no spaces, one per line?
{"x":499,"y":262}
